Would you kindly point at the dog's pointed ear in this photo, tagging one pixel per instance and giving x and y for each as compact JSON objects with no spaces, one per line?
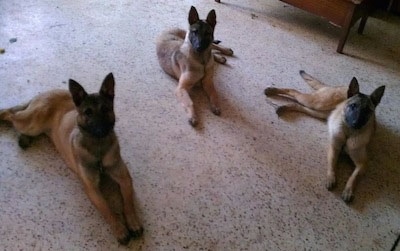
{"x":354,"y":88}
{"x":107,"y":88}
{"x":77,"y":92}
{"x":377,"y":95}
{"x":212,"y":19}
{"x":193,"y":15}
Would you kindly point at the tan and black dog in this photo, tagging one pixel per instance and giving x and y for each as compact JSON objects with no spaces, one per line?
{"x":351,"y":121}
{"x":81,"y":126}
{"x":188,"y":57}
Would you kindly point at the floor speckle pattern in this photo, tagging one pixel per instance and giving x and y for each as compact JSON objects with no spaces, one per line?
{"x":244,"y":181}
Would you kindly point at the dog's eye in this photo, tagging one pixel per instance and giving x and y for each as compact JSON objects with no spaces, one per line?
{"x":353,"y":106}
{"x":195,"y":31}
{"x":88,"y":112}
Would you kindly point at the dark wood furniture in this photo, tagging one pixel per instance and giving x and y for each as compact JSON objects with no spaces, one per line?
{"x":342,"y":13}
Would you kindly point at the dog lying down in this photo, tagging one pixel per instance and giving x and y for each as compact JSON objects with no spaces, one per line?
{"x":189,"y":57}
{"x":81,"y":127}
{"x":351,"y":121}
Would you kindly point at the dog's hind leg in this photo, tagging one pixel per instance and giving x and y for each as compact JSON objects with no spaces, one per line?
{"x":222,"y":49}
{"x":359,"y":157}
{"x":22,"y":119}
{"x":311,"y":81}
{"x":219,"y":59}
{"x":300,"y":108}
{"x":292,"y":94}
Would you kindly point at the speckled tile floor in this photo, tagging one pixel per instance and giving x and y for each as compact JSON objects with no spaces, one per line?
{"x":243,"y":181}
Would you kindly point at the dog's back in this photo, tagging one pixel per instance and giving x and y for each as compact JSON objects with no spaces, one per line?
{"x":168,"y":44}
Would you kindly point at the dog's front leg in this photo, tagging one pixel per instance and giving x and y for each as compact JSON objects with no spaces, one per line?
{"x":333,"y":155}
{"x":91,"y":185}
{"x":121,"y":175}
{"x":208,"y":86}
{"x":359,"y":157}
{"x":181,"y":92}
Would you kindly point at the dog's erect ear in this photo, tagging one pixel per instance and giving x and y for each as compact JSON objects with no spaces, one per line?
{"x":212,"y":18}
{"x":107,"y":88}
{"x":193,"y":15}
{"x":354,"y":88}
{"x":77,"y":92}
{"x":377,"y":95}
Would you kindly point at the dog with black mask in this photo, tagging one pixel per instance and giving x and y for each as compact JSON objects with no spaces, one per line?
{"x":189,"y":57}
{"x":81,"y":127}
{"x":351,"y":121}
{"x":351,"y":126}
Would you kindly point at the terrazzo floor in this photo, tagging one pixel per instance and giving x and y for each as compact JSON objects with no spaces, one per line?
{"x":246,"y":180}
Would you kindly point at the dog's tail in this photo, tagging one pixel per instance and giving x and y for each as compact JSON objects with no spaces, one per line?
{"x":311,"y":81}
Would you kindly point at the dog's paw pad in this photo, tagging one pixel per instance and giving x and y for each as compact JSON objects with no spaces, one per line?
{"x":193,"y":122}
{"x":347,"y":196}
{"x":135,"y":234}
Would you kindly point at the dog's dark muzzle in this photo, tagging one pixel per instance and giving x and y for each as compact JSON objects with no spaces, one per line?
{"x":99,"y":130}
{"x":201,"y":45}
{"x":356,"y":118}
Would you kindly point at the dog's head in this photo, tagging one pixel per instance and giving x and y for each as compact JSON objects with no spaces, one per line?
{"x":95,"y":111}
{"x":359,"y":107}
{"x":201,"y":32}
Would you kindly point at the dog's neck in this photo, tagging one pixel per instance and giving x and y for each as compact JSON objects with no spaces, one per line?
{"x":94,"y":145}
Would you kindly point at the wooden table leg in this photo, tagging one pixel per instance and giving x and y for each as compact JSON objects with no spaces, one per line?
{"x":346,"y":28}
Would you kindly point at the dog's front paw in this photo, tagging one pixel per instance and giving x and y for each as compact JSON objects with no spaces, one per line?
{"x":193,"y":122}
{"x":216,"y":110}
{"x":135,"y":234}
{"x":347,"y":195}
{"x":124,"y":238}
{"x":330,"y":183}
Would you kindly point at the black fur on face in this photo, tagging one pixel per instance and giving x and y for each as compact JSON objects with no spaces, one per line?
{"x":360,"y":107}
{"x":96,"y":116}
{"x":358,"y":110}
{"x":201,"y":32}
{"x":95,"y":111}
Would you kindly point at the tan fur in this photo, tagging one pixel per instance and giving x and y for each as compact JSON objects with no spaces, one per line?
{"x":53,"y":113}
{"x":177,"y":58}
{"x":318,"y":103}
{"x":328,"y":102}
{"x":354,"y":142}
